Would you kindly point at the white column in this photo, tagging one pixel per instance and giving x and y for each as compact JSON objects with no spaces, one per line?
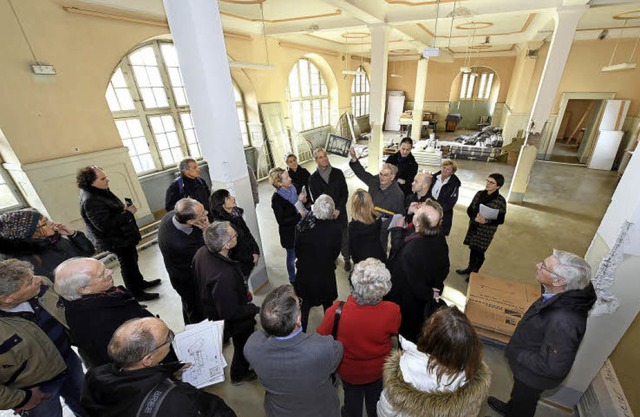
{"x":566,"y":22}
{"x":418,"y":101}
{"x":605,"y":331}
{"x":378,"y":81}
{"x":197,"y":34}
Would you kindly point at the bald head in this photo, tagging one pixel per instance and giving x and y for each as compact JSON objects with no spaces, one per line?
{"x":421,"y":183}
{"x":427,"y":220}
{"x":139,"y":343}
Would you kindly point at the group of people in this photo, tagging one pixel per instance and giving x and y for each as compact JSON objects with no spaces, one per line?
{"x":53,"y":295}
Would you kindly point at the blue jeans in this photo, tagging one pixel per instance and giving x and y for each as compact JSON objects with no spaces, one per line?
{"x":291,"y":264}
{"x":67,"y":386}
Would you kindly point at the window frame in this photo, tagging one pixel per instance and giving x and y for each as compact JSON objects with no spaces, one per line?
{"x":477,"y":85}
{"x":308,"y":103}
{"x":13,"y":188}
{"x":143,"y":114}
{"x":360,"y":97}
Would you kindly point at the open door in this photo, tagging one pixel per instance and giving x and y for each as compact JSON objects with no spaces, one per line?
{"x":609,"y":135}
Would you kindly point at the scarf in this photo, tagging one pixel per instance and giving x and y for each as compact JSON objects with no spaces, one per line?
{"x":325,"y":173}
{"x":290,"y":194}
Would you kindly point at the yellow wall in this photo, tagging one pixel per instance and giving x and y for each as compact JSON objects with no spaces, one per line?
{"x":441,"y":76}
{"x":46,"y":117}
{"x":583,"y":72}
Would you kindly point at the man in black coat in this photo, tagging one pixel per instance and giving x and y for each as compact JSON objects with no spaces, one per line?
{"x":137,"y":381}
{"x":418,"y":269}
{"x":187,"y":184}
{"x":544,"y":345}
{"x":420,"y":190}
{"x":94,"y":308}
{"x":406,"y":163}
{"x":179,"y":238}
{"x":331,"y":181}
{"x":223,"y":294}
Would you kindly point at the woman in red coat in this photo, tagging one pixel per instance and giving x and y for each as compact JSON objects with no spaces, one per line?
{"x":365,"y":329}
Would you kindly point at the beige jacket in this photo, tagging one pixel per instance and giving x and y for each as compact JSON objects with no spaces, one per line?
{"x":27,"y":356}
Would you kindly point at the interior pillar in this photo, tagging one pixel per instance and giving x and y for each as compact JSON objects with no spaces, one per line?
{"x":378,"y":82}
{"x":566,"y":22}
{"x":605,"y":331}
{"x":197,"y":34}
{"x":418,"y":101}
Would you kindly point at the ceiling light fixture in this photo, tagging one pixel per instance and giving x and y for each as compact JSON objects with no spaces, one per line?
{"x":625,"y":65}
{"x":433,"y":51}
{"x":358,"y":70}
{"x":252,"y":65}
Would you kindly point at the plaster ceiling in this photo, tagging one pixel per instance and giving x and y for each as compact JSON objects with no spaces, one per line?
{"x":486,"y":27}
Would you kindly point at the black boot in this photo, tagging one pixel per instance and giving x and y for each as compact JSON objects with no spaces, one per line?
{"x":465,"y":271}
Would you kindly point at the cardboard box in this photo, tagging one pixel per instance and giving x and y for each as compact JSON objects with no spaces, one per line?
{"x":496,"y":305}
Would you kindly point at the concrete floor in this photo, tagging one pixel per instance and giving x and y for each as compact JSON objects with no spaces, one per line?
{"x":563,"y":208}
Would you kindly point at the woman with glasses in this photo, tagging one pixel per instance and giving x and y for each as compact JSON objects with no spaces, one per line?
{"x":444,"y":189}
{"x":481,"y":230}
{"x":224,"y":208}
{"x":30,"y":236}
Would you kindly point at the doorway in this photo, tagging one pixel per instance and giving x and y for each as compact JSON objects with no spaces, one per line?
{"x":576,"y":127}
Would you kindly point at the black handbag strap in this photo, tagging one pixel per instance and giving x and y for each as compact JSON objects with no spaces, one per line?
{"x":336,"y":320}
{"x":153,"y":400}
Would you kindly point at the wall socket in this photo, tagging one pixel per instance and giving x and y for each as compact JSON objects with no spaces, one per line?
{"x":43,"y":69}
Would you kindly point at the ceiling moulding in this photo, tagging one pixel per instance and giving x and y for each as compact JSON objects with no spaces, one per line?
{"x":243,"y":1}
{"x":417,"y":3}
{"x":338,"y":12}
{"x":123,"y":18}
{"x":142,"y":21}
{"x":524,"y":27}
{"x":250,"y":65}
{"x":308,"y":48}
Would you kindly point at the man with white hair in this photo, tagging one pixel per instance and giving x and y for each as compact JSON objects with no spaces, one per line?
{"x":386,"y":194}
{"x":418,"y":268}
{"x":544,"y":345}
{"x":94,"y":308}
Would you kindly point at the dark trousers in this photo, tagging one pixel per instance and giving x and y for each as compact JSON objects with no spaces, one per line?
{"x":306,"y":308}
{"x":476,"y":259}
{"x":523,"y":401}
{"x":344,"y":226}
{"x":354,"y":394}
{"x":191,"y":312}
{"x":128,"y":258}
{"x":239,"y":332}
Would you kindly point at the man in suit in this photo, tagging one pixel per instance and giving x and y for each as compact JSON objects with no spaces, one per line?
{"x":295,"y":368}
{"x":331,"y":181}
{"x":179,"y":238}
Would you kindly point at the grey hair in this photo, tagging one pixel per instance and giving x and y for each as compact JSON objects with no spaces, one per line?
{"x":67,"y":285}
{"x":391,"y":167}
{"x":575,"y":271}
{"x":316,"y":151}
{"x":323,"y":207}
{"x":370,"y":281}
{"x":216,"y":235}
{"x":279,"y":312}
{"x":185,"y":210}
{"x":184,"y":164}
{"x":131,"y":342}
{"x":428,"y":224}
{"x":13,"y":274}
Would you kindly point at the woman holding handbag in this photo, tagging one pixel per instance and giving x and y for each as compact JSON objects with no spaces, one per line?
{"x":366,"y":326}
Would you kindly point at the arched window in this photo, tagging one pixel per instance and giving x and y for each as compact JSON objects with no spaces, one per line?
{"x":149,"y":104}
{"x":360,"y":93}
{"x":308,"y":96}
{"x":477,"y":84}
{"x":242,"y":115}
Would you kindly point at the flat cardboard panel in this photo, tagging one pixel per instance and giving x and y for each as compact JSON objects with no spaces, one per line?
{"x":496,"y":305}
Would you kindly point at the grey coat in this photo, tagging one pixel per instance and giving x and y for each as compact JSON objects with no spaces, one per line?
{"x":391,"y":198}
{"x":296,"y":373}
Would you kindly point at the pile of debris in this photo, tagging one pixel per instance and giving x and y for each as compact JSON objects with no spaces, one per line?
{"x":490,"y":137}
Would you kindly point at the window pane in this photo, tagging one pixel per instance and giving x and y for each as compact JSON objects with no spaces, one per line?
{"x":118,"y":79}
{"x":306,"y":115}
{"x":194,"y":150}
{"x":7,"y":198}
{"x":169,"y":54}
{"x":472,"y":80}
{"x":112,"y":100}
{"x":296,"y":115}
{"x":161,"y":97}
{"x":125,"y":99}
{"x":133,"y":138}
{"x":463,"y":86}
{"x":166,"y":137}
{"x":489,"y":85}
{"x":294,"y":88}
{"x":325,"y":111}
{"x":483,"y":80}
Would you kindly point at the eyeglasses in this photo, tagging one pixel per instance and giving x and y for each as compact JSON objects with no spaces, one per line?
{"x":542,"y":265}
{"x":490,"y":181}
{"x":170,"y":337}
